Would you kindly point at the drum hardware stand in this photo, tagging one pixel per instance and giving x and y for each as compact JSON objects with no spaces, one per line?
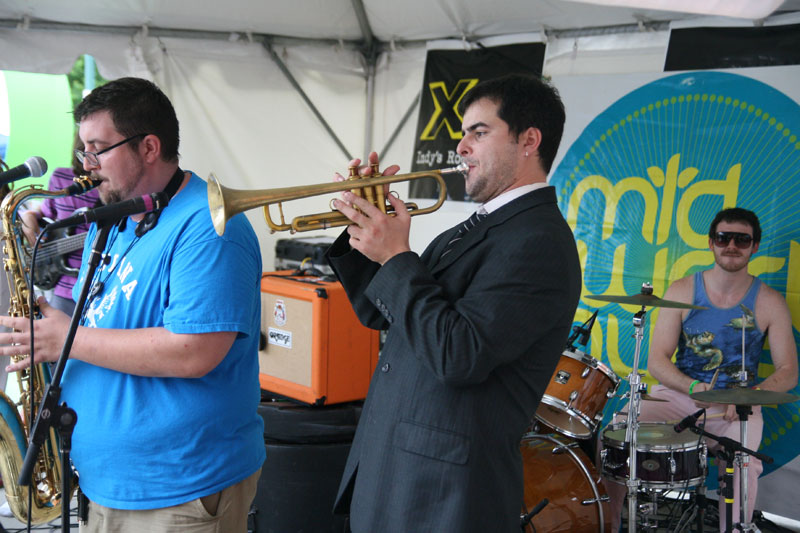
{"x":700,"y":503}
{"x":730,"y":450}
{"x":649,"y":512}
{"x":743,"y":460}
{"x":634,"y":382}
{"x":53,"y":414}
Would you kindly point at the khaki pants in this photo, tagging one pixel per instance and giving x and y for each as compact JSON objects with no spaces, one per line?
{"x":223,"y":512}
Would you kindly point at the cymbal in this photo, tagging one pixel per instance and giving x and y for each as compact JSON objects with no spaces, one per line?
{"x":647,"y":300}
{"x":646,"y":397}
{"x":744,"y":397}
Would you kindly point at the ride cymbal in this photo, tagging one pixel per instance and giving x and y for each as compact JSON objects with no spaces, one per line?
{"x":744,"y":397}
{"x":646,"y":300}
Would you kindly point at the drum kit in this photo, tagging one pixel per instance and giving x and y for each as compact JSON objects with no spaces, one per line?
{"x":564,"y":492}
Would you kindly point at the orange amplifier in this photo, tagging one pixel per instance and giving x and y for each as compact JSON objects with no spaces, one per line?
{"x":316,"y":351}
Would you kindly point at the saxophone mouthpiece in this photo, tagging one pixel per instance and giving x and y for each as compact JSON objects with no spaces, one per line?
{"x":81,"y":185}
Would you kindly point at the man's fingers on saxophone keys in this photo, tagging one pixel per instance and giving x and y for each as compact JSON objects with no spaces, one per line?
{"x":19,"y":365}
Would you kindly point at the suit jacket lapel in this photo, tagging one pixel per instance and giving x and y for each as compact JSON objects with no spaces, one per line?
{"x":478,"y":233}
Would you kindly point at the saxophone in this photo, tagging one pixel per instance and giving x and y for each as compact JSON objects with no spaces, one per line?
{"x":15,"y":421}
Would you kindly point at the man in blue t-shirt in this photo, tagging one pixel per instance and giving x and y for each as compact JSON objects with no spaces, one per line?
{"x":163,"y":372}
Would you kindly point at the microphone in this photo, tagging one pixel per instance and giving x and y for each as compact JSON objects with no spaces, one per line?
{"x":526,"y":518}
{"x":583,"y":331}
{"x":113,"y":212}
{"x":32,"y":168}
{"x":587,"y":329}
{"x":688,"y":421}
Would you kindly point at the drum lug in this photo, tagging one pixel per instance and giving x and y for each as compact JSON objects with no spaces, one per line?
{"x":611,"y":393}
{"x":673,"y":466}
{"x":605,"y":463}
{"x":586,"y":372}
{"x":573,"y":396}
{"x":561,"y":377}
{"x":592,"y":501}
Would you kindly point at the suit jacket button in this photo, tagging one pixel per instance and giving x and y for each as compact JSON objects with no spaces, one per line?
{"x":385,"y":367}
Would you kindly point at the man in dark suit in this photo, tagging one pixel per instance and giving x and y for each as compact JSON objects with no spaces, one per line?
{"x":476,"y":326}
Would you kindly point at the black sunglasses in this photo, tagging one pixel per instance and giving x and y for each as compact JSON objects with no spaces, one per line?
{"x":741,"y":240}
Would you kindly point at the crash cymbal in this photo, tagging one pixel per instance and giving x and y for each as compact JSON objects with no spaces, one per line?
{"x":744,"y":397}
{"x":647,"y":300}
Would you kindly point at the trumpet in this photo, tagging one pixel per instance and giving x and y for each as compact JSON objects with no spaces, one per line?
{"x":225,"y":203}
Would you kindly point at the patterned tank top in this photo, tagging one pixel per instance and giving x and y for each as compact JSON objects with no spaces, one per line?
{"x":712,"y":338}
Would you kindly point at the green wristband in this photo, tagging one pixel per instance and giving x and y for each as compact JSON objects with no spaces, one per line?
{"x":691,"y":387}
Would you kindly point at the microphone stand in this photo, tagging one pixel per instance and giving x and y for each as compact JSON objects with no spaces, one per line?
{"x":730,"y":449}
{"x":51,"y":413}
{"x":527,"y":517}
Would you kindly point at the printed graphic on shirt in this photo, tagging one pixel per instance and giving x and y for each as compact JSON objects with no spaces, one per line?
{"x":119,"y":278}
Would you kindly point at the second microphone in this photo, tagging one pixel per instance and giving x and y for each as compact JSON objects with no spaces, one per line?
{"x":108,"y":214}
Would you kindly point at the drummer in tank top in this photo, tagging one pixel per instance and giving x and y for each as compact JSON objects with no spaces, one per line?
{"x":709,"y":341}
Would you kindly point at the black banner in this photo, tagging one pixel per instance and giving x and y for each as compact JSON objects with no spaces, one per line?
{"x":710,"y":48}
{"x":449,"y":74}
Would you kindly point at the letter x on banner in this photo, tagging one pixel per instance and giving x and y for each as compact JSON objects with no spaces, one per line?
{"x":449,"y":74}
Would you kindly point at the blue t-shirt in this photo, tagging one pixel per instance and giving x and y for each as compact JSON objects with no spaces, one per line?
{"x":147,"y":442}
{"x":711,"y":339}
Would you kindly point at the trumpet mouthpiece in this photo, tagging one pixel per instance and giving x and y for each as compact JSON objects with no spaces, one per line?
{"x":461,"y":168}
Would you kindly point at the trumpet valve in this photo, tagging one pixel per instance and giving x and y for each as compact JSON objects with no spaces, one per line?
{"x":380,"y":198}
{"x":354,"y":176}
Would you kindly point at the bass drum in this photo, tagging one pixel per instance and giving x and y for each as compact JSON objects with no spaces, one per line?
{"x":560,"y":471}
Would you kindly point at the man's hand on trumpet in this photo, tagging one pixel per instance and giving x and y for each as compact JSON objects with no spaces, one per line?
{"x":376,"y":235}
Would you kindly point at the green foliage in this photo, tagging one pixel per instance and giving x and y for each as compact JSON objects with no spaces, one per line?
{"x":76,"y":80}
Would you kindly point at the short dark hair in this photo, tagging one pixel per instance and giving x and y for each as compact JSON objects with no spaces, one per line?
{"x":77,"y":165}
{"x":736,"y":214}
{"x":524,"y":102}
{"x":136,"y":106}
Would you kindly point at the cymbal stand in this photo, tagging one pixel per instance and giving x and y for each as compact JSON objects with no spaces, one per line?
{"x":634,"y":381}
{"x":728,"y":451}
{"x":741,"y":459}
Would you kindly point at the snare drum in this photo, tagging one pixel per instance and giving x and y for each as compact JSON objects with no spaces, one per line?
{"x":561,"y":472}
{"x":665,"y":459}
{"x":576,"y":395}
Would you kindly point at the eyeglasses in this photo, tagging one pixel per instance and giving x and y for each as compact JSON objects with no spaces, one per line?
{"x":92,"y":157}
{"x":741,"y":240}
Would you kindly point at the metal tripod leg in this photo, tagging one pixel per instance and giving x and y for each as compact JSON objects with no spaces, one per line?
{"x":742,"y":460}
{"x":634,"y":380}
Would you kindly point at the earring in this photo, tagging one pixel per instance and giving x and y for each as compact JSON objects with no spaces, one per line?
{"x":526,"y":154}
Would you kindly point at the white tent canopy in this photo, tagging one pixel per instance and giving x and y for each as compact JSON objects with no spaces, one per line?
{"x":276,"y":93}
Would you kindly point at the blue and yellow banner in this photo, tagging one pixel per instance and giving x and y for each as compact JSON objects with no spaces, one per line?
{"x":641,"y":183}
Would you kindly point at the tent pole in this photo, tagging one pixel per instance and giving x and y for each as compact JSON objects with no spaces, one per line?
{"x":306,"y":99}
{"x":370,"y":54}
{"x":369,"y":116}
{"x":396,"y":132}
